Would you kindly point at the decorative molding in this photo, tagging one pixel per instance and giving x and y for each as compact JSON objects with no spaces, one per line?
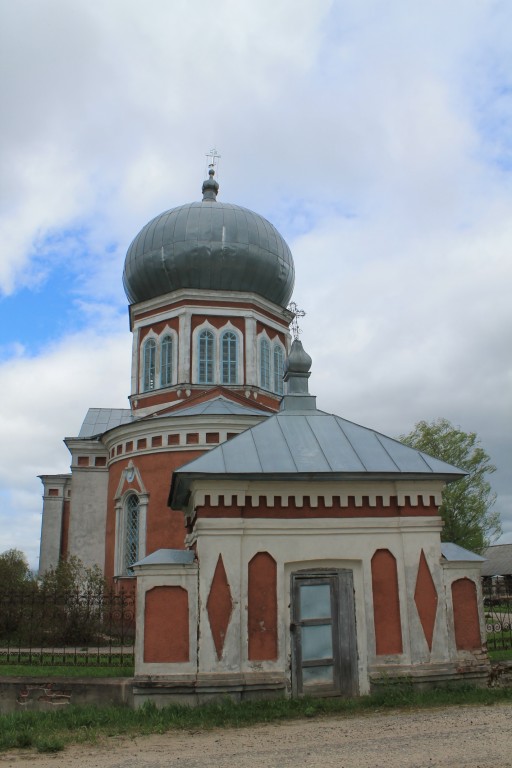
{"x":129,"y":477}
{"x":324,"y":527}
{"x":235,"y":494}
{"x":211,"y":299}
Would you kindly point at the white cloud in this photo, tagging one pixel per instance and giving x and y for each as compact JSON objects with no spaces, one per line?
{"x":379,"y":144}
{"x":44,"y":399}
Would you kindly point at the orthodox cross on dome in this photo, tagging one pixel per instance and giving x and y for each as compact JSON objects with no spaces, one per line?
{"x":211,"y":186}
{"x":214,"y":157}
{"x":296,"y":330}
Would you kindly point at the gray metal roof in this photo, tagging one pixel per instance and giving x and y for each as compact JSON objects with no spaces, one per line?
{"x":209,"y":245}
{"x":166,"y":556}
{"x":99,"y":420}
{"x":218,"y":406}
{"x":498,"y":560}
{"x":312,"y":444}
{"x":454,"y":553}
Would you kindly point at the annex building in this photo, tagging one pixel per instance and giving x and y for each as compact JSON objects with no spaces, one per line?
{"x":275,"y":548}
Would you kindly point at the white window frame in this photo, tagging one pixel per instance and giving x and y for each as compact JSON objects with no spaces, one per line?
{"x":122,"y":531}
{"x":230,"y":363}
{"x":218,"y":334}
{"x":158,"y":340}
{"x":276,"y":378}
{"x":168,"y":332}
{"x":209,"y":357}
{"x":264,"y":339}
{"x":272,"y":345}
{"x":149,"y":339}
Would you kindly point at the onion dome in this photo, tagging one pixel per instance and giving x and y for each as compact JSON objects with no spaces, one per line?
{"x":211,"y":246}
{"x":297,"y":369}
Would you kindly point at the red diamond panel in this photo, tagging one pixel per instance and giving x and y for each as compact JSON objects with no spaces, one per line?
{"x":425,"y":597}
{"x":219,"y":606}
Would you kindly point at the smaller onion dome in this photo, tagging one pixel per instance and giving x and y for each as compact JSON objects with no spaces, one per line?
{"x":210,"y":186}
{"x":298,"y":361}
{"x":297,"y":369}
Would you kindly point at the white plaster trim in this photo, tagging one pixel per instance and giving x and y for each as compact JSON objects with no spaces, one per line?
{"x":184,"y":347}
{"x":230,"y":297}
{"x":235,"y":493}
{"x":135,"y":361}
{"x":251,"y":373}
{"x":124,"y":480}
{"x":320,"y":526}
{"x":121,"y":496}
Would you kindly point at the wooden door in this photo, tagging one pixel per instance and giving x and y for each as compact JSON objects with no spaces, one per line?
{"x":324,"y":651}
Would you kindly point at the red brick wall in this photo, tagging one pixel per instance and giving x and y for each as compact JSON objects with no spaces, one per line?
{"x":165,"y":527}
{"x":218,"y":321}
{"x":219,"y":606}
{"x":158,"y":328}
{"x":465,"y":615}
{"x":386,"y":604}
{"x":262,"y":608}
{"x":64,"y":534}
{"x":425,"y":597}
{"x":166,"y":625}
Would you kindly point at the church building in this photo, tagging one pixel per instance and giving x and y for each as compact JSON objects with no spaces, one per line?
{"x":275,"y":548}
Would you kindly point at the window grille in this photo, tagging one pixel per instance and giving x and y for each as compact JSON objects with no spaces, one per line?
{"x":131,"y":542}
{"x":166,"y":362}
{"x":149,"y":365}
{"x":206,"y":357}
{"x":265,"y":364}
{"x":229,"y":368}
{"x":278,"y":369}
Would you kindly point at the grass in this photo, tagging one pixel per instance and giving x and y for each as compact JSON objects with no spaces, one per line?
{"x":67,"y":670}
{"x":500,"y":654}
{"x":53,"y":731}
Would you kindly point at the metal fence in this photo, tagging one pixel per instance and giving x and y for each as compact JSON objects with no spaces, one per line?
{"x":497,"y":592}
{"x":68,"y":628}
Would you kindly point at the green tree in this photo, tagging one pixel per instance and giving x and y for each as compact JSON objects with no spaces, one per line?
{"x":71,"y":597}
{"x":71,"y":576}
{"x":17,"y":586}
{"x":467,"y":508}
{"x":14,"y":570}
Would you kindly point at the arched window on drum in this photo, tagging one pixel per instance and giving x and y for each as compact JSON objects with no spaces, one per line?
{"x":131,"y":533}
{"x":278,"y":355}
{"x":149,"y":365}
{"x":166,"y":361}
{"x":206,"y":357}
{"x":229,"y":358}
{"x":265,"y":363}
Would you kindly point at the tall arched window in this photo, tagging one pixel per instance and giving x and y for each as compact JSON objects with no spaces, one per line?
{"x":278,"y":369}
{"x":149,"y":365}
{"x":265,"y":364}
{"x":131,"y":533}
{"x":206,"y":357}
{"x":229,"y":358}
{"x":166,"y":351}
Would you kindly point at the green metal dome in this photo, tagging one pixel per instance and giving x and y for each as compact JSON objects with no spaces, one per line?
{"x":212,"y":246}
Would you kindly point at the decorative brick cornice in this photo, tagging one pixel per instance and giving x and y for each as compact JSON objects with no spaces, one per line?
{"x":327,"y":493}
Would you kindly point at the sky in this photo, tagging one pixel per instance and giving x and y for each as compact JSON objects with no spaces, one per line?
{"x":375,"y":136}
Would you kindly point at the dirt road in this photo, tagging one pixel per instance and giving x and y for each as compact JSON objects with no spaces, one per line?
{"x":464,"y":737}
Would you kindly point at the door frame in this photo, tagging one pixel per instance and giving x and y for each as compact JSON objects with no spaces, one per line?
{"x":344,"y":660}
